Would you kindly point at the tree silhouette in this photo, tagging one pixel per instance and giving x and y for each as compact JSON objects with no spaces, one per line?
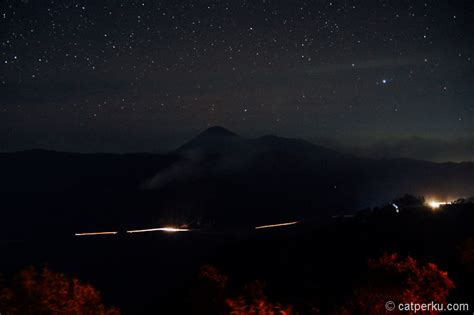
{"x":48,"y":292}
{"x":401,"y":281}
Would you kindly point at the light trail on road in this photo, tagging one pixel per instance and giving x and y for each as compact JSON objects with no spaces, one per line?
{"x":163,"y":229}
{"x":275,"y":225}
{"x":95,"y":233}
{"x":170,"y":229}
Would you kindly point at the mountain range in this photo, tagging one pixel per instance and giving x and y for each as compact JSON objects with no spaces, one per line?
{"x":222,"y":175}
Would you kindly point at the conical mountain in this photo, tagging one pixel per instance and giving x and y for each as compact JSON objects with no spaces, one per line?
{"x":212,"y":140}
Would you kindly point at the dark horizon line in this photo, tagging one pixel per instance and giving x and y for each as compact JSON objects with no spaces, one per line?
{"x":331,"y":143}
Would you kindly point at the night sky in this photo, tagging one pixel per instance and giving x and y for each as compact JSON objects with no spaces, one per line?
{"x":121,"y":76}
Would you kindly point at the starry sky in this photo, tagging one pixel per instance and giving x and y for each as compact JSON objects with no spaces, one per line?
{"x":123,"y":76}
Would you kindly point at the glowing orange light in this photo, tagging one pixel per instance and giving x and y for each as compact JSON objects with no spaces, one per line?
{"x":163,"y":229}
{"x":434,"y":204}
{"x":95,"y":233}
{"x":275,"y":225}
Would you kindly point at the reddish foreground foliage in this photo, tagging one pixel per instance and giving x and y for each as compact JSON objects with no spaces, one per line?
{"x":48,"y":292}
{"x":389,"y":278}
{"x":400,"y":281}
{"x":213,"y":298}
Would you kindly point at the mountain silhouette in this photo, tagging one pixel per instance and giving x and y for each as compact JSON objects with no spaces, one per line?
{"x":232,"y":177}
{"x":212,"y":140}
{"x":217,"y":178}
{"x":221,"y":141}
{"x":217,"y":131}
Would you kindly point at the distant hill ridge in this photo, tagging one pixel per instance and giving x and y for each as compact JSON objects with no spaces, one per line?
{"x":218,"y":139}
{"x":292,"y":169}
